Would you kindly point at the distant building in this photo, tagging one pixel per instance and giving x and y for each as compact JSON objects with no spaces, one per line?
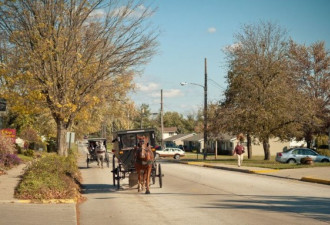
{"x":226,"y":144}
{"x":169,"y":132}
{"x":176,"y":140}
{"x":294,"y":143}
{"x":193,"y":143}
{"x":223,"y":145}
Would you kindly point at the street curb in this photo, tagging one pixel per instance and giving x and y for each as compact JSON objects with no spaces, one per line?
{"x":227,"y":168}
{"x":202,"y":164}
{"x":259,"y":172}
{"x":315,"y":180}
{"x":49,"y":201}
{"x":264,"y":171}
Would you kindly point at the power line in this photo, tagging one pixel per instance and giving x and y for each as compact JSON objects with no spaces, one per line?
{"x":215,"y":83}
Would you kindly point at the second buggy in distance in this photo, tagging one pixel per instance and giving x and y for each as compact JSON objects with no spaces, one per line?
{"x":92,"y":148}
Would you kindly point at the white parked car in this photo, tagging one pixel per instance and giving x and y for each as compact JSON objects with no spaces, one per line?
{"x":170,"y":152}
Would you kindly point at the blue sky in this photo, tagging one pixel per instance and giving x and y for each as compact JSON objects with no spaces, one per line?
{"x":192,"y":30}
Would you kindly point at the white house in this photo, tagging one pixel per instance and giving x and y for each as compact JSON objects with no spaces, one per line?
{"x":226,"y":143}
{"x":169,"y":132}
{"x":176,"y":140}
{"x":194,"y":142}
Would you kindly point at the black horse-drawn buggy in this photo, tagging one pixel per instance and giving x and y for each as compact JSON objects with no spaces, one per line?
{"x":125,"y":144}
{"x":92,"y":147}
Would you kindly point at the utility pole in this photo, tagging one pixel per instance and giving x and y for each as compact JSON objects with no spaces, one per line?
{"x":205,"y":110}
{"x":329,"y":138}
{"x":161,"y":117}
{"x":142,"y":111}
{"x":205,"y":107}
{"x":104,"y":130}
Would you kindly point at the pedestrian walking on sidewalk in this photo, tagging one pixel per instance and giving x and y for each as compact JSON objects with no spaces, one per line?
{"x":239,"y":151}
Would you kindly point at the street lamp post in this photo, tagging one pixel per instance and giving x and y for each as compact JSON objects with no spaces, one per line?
{"x":161,"y":118}
{"x":141,"y":119}
{"x":205,"y":105}
{"x":205,"y":109}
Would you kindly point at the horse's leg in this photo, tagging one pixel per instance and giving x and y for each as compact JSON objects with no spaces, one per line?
{"x":148,"y":171}
{"x":138,"y":174}
{"x":139,"y":179}
{"x":143,"y":179}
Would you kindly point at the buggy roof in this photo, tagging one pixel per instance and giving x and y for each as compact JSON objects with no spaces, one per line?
{"x":135,"y":131}
{"x":96,"y":139}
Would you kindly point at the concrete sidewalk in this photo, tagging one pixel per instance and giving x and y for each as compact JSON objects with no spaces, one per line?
{"x":319,"y":175}
{"x":20,"y":212}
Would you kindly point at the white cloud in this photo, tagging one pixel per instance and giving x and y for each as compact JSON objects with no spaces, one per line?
{"x":147,"y":87}
{"x":211,"y":30}
{"x":138,"y":12}
{"x":97,"y":14}
{"x":232,"y":48}
{"x":171,"y":93}
{"x":141,"y":7}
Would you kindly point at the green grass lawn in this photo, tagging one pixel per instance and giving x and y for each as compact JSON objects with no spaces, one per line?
{"x":255,"y":161}
{"x":25,"y":158}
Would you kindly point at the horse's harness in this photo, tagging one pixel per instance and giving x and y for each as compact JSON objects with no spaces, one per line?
{"x":142,"y":161}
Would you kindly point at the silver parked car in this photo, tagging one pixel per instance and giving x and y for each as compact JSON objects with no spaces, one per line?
{"x":294,"y":155}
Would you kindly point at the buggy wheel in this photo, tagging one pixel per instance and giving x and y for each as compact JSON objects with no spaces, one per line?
{"x":153,"y":173}
{"x":160,"y":176}
{"x":114,"y":172}
{"x":118,"y":177}
{"x":87,"y":161}
{"x":107,"y":159}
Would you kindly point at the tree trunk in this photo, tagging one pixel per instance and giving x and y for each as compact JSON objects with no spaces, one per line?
{"x":266,"y":146}
{"x":308,"y":138}
{"x":249,"y":146}
{"x":61,"y":139}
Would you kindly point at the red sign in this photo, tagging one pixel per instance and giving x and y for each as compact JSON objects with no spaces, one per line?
{"x":10,"y":133}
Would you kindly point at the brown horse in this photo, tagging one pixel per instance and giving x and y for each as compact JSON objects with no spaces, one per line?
{"x":144,"y":158}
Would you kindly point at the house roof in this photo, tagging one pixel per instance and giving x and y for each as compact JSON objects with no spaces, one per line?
{"x":178,"y":137}
{"x":170,"y":129}
{"x":196,"y":137}
{"x":225,"y":136}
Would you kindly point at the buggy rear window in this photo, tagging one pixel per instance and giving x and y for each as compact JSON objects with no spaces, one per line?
{"x":130,"y":140}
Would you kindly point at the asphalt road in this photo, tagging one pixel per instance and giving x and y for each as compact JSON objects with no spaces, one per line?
{"x":197,"y":195}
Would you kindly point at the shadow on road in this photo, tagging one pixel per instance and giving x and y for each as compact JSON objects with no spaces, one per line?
{"x":313,"y":207}
{"x":98,"y":188}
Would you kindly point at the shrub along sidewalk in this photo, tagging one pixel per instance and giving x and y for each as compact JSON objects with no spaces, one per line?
{"x":50,"y":177}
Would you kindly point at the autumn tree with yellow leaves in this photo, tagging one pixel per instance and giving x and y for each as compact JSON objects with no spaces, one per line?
{"x":69,"y":57}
